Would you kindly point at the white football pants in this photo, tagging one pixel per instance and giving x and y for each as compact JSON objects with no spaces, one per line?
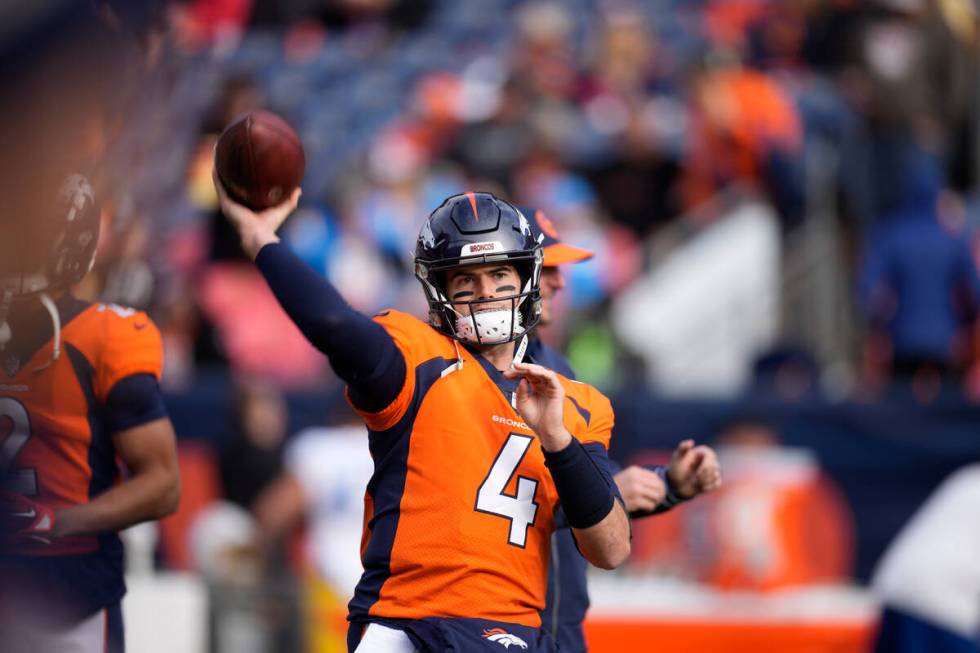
{"x":382,"y":639}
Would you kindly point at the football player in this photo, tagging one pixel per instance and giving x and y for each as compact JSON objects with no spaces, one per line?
{"x":474,"y":445}
{"x":78,"y":390}
{"x":645,"y":490}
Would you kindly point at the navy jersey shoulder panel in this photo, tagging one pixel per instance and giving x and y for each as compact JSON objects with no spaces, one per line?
{"x":101,"y":461}
{"x":101,"y":453}
{"x":389,"y":450}
{"x":586,"y":415}
{"x":426,"y":374}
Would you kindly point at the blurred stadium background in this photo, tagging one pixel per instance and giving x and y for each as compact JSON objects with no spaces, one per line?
{"x":784,"y":201}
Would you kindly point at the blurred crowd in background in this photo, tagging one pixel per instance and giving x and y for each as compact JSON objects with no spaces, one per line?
{"x":639,"y":128}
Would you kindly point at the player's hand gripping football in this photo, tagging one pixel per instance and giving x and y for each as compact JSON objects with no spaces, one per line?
{"x":24,"y":521}
{"x":693,"y":470}
{"x":541,"y":402}
{"x":255,"y":229}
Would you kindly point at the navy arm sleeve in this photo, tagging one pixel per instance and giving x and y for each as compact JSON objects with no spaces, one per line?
{"x":134,"y":400}
{"x":361,"y":352}
{"x":599,"y":458}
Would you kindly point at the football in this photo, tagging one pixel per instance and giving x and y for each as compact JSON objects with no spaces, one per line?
{"x":259,"y":160}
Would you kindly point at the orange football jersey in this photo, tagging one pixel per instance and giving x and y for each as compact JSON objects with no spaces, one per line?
{"x":460,"y":510}
{"x":55,"y":447}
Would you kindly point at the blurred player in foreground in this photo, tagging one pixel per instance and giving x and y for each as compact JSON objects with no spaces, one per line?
{"x":78,"y":388}
{"x":645,"y":490}
{"x":928,"y":580}
{"x":474,"y":449}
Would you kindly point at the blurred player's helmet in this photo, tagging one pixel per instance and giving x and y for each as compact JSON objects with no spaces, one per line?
{"x":65,"y":243}
{"x":474,"y":229}
{"x":52,"y":253}
{"x":556,"y":251}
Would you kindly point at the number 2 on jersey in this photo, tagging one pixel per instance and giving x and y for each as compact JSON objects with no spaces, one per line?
{"x":492,"y":498}
{"x":22,"y":481}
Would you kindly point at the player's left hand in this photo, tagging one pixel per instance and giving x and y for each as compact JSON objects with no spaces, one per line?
{"x":541,"y":402}
{"x":693,"y":470}
{"x":25,"y":520}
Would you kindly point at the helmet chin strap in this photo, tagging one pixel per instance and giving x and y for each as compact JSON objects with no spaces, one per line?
{"x":5,"y":333}
{"x":52,"y":309}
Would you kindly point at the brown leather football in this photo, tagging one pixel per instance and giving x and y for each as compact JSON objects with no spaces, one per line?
{"x":259,"y":159}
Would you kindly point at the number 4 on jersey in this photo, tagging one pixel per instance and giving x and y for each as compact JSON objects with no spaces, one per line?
{"x":492,"y":498}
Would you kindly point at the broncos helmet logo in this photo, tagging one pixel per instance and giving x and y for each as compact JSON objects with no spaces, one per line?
{"x":426,"y":237}
{"x":524,"y":225}
{"x":504,"y":638}
{"x":75,"y":193}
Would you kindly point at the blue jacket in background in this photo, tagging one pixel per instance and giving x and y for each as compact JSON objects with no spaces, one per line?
{"x":919,"y":281}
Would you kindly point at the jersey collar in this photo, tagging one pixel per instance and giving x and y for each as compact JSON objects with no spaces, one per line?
{"x":508,"y":387}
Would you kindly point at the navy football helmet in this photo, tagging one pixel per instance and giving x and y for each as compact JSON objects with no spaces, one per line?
{"x":71,"y":232}
{"x":474,"y":229}
{"x":62,"y":250}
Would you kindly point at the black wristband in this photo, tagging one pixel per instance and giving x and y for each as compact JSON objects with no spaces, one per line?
{"x":586,"y":497}
{"x":671,"y":498}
